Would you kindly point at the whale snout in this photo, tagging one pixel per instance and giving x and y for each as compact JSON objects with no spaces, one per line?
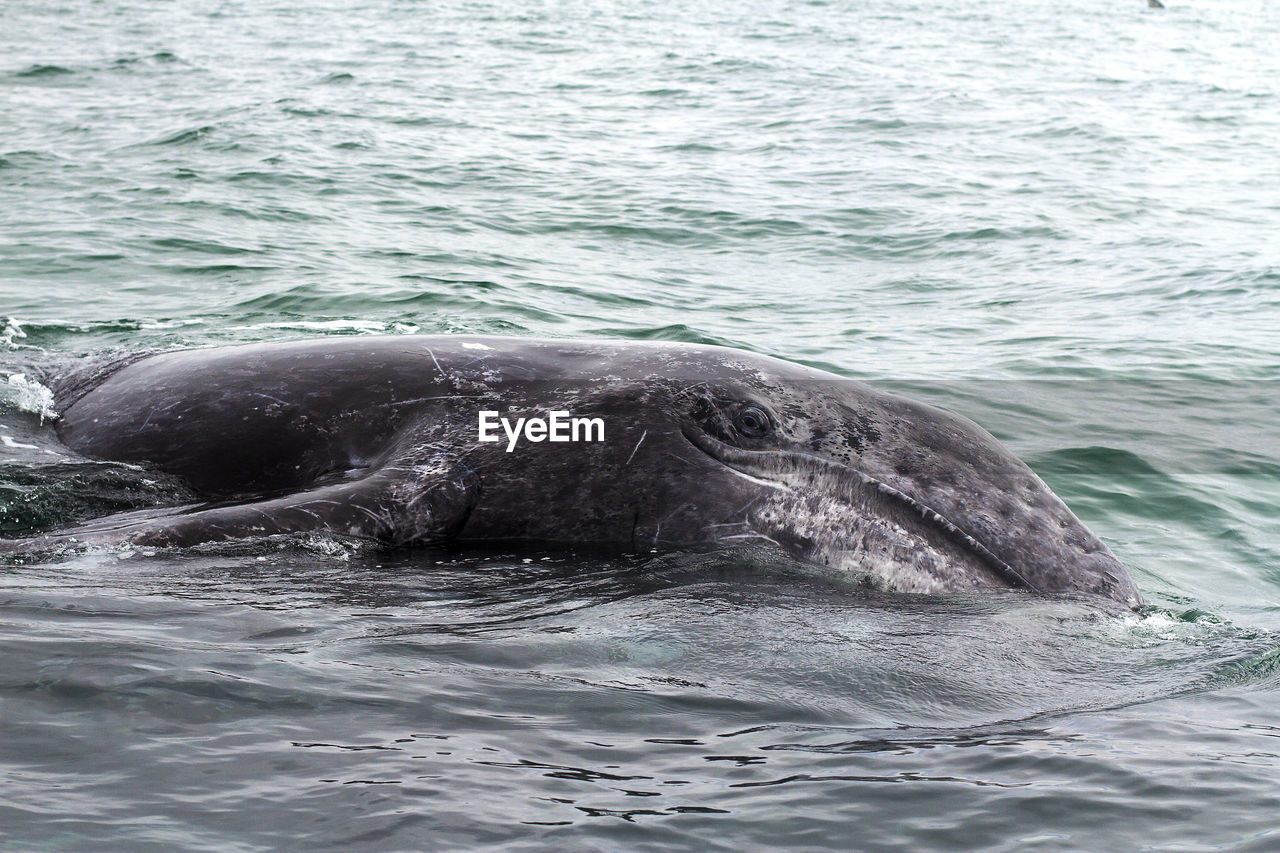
{"x":1033,"y":530}
{"x":966,"y":475}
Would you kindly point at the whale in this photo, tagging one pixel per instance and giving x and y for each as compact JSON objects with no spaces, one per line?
{"x":633,"y":445}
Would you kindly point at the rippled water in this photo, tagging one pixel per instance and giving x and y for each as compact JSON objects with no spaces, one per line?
{"x":1057,"y":219}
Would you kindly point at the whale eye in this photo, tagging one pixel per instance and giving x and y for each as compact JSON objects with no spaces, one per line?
{"x":753,"y":422}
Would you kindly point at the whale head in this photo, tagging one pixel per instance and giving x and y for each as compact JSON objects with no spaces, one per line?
{"x":715,"y":445}
{"x":918,"y":497}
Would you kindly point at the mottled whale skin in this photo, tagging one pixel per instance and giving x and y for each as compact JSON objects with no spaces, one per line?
{"x":377,"y":437}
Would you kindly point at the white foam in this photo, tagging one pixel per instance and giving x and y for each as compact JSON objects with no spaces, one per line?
{"x":28,"y":395}
{"x":364,"y":327}
{"x":1160,"y":626}
{"x":11,"y":332}
{"x":152,"y":325}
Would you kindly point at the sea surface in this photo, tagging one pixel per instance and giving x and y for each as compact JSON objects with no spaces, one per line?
{"x":1060,"y":219}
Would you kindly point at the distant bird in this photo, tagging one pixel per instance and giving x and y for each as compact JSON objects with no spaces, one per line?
{"x":1154,"y":4}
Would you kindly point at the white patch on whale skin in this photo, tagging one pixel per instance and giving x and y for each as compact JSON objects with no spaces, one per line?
{"x":837,"y":515}
{"x":843,"y":525}
{"x":758,"y":480}
{"x":474,"y":345}
{"x":845,"y":536}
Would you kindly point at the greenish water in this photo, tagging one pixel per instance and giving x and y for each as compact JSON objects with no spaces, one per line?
{"x":1059,"y":220}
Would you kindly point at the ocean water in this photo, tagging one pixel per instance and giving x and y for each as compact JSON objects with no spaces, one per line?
{"x":1057,"y":219}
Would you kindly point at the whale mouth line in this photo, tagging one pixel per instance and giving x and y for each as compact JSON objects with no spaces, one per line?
{"x":771,"y":467}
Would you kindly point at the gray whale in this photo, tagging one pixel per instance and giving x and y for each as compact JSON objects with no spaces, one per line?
{"x":380,"y":437}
